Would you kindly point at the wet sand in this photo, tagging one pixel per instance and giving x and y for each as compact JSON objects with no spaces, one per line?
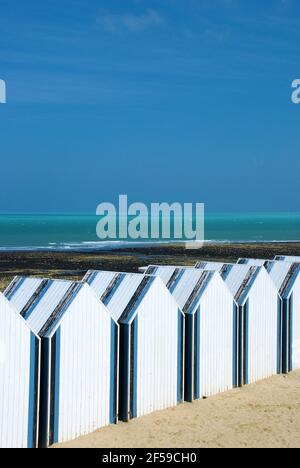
{"x":263,"y":415}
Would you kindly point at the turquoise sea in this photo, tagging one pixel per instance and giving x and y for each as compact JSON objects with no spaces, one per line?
{"x":78,"y":232}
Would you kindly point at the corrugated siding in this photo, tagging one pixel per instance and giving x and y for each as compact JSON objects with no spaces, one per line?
{"x":216,"y":339}
{"x":123,"y":294}
{"x":15,"y":341}
{"x":262,"y":329}
{"x":85,"y":368}
{"x":100,"y":280}
{"x":47,"y":303}
{"x":236,"y":276}
{"x":20,"y":296}
{"x":279,"y":272}
{"x":186,"y":285}
{"x":157,"y":357}
{"x":165,"y":273}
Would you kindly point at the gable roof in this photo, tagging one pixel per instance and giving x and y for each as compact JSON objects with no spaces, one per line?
{"x":120,"y":292}
{"x":247,"y":281}
{"x":284,"y":275}
{"x":191,"y":288}
{"x":251,"y":261}
{"x":20,"y":291}
{"x":186,"y":284}
{"x":167,"y":273}
{"x":239,"y":278}
{"x":100,"y":281}
{"x":6,"y":305}
{"x":211,"y":266}
{"x":41,"y":302}
{"x":287,"y":259}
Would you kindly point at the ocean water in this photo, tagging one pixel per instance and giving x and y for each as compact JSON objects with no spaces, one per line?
{"x":78,"y":232}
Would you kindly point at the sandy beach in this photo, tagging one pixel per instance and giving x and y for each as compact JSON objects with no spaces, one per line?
{"x":264,"y":415}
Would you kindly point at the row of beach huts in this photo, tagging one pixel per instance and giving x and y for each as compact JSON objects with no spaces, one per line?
{"x":78,"y":356}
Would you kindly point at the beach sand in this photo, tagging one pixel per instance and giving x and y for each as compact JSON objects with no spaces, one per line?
{"x":263,"y":415}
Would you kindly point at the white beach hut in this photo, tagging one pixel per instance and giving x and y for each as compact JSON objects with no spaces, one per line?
{"x":211,"y":329}
{"x":19,"y":380}
{"x":79,"y":355}
{"x":286,"y":277}
{"x":151,"y":340}
{"x":256,"y":297}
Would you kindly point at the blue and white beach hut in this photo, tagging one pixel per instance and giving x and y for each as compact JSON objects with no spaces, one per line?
{"x":258,"y":318}
{"x":151,"y":340}
{"x":79,"y":355}
{"x":286,"y":277}
{"x":20,"y":352}
{"x":211,"y":329}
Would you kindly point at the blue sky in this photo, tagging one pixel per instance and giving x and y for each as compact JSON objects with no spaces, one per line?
{"x":164,"y":100}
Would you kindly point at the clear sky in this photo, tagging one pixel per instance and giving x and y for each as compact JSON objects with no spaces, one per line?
{"x":163,"y":100}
